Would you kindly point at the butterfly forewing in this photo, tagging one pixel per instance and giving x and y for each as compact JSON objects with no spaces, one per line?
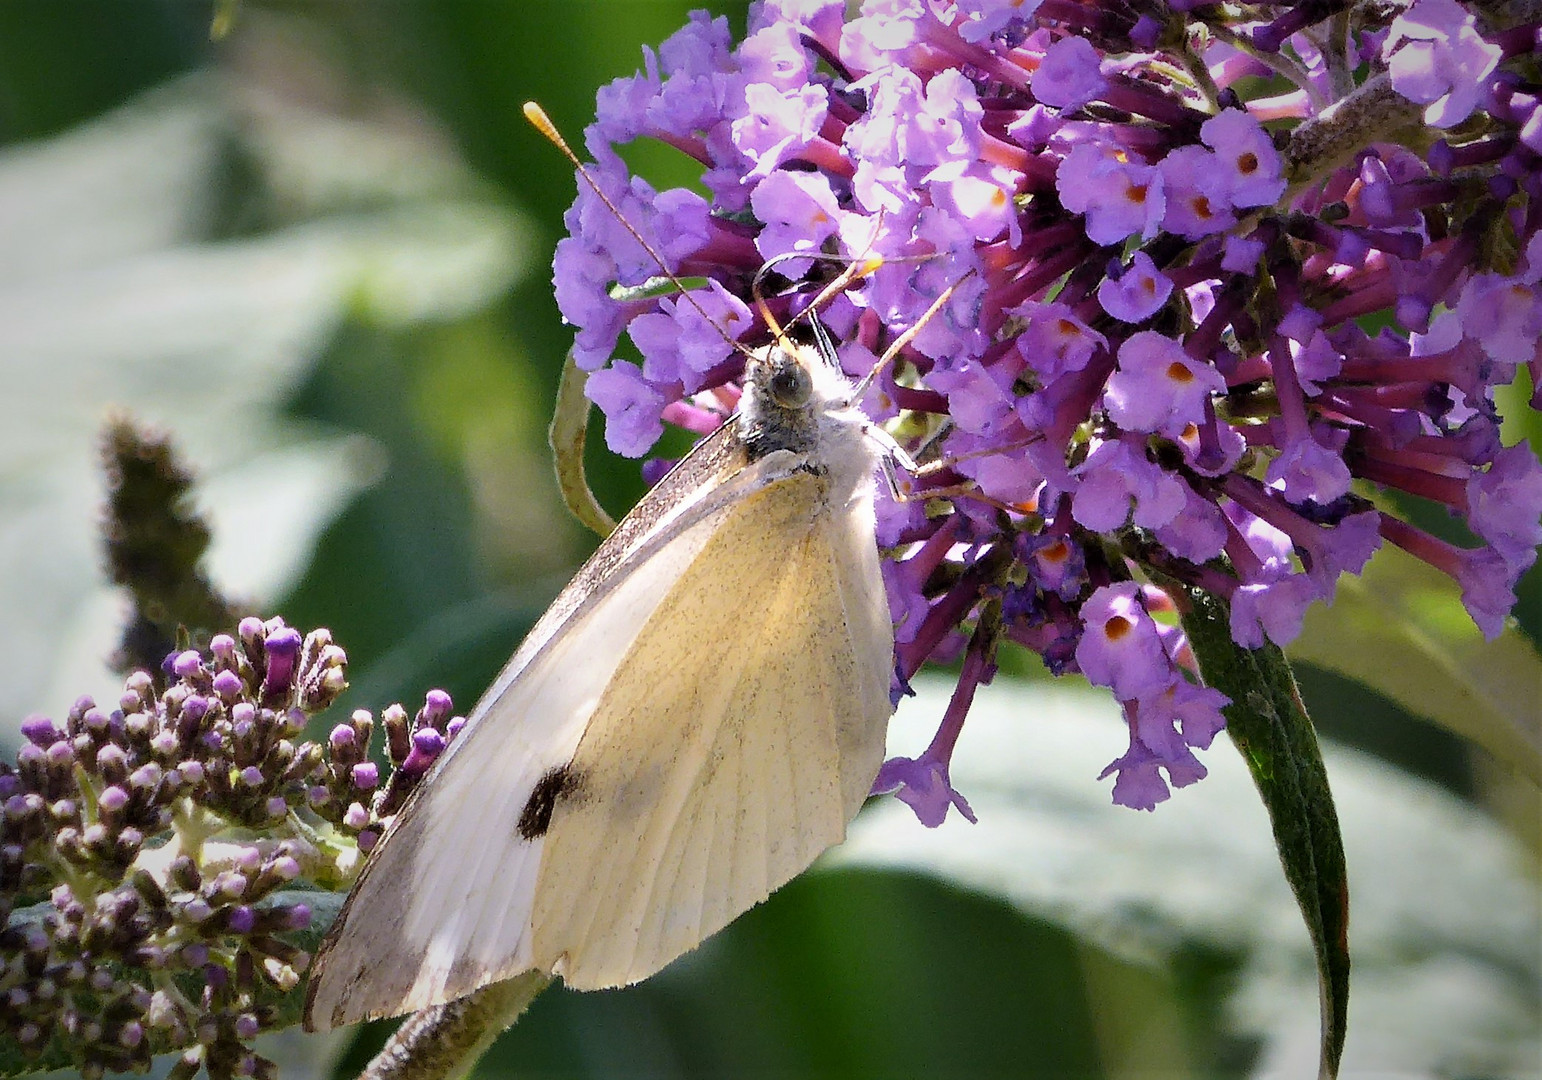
{"x":721,"y":760}
{"x":697,"y":716}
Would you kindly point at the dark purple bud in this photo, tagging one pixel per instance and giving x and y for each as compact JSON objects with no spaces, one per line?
{"x":130,"y":839}
{"x":192,"y":771}
{"x":28,"y":1033}
{"x":211,"y":741}
{"x":40,"y":731}
{"x":228,"y":685}
{"x":195,"y":954}
{"x":223,"y":647}
{"x":187,"y":664}
{"x":96,"y":721}
{"x":292,"y":721}
{"x":251,"y":776}
{"x":299,"y":916}
{"x":131,"y":1034}
{"x":230,"y":883}
{"x":427,"y":744}
{"x":130,"y":702}
{"x":276,"y":806}
{"x":196,"y":910}
{"x":10,"y":784}
{"x":452,"y":729}
{"x":247,"y":1026}
{"x":341,"y":738}
{"x":113,"y":800}
{"x":64,"y":810}
{"x":243,"y":712}
{"x":240,"y":919}
{"x":195,"y":707}
{"x":317,"y":795}
{"x":283,"y":651}
{"x":366,"y":775}
{"x":165,"y":743}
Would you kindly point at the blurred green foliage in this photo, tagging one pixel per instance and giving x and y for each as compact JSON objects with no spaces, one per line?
{"x":431,"y":576}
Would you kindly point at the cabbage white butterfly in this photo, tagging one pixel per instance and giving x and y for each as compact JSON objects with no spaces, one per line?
{"x":699,"y":714}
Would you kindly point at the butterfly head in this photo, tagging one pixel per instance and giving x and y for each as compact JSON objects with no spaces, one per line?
{"x":791,"y":394}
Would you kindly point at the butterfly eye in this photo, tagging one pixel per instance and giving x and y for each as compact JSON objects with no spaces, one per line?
{"x":790,"y":384}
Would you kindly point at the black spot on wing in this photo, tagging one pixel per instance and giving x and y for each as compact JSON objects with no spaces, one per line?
{"x":554,"y":784}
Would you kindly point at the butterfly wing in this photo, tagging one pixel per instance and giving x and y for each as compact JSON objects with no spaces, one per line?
{"x":447,"y":903}
{"x":726,"y":753}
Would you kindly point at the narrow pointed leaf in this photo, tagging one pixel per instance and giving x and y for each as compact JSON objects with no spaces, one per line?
{"x":1269,"y":725}
{"x":569,"y":426}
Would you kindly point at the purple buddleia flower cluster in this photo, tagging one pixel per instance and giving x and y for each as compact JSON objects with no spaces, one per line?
{"x":156,"y":852}
{"x":1194,"y":302}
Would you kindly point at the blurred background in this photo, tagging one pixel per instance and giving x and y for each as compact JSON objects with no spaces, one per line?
{"x":316,"y":251}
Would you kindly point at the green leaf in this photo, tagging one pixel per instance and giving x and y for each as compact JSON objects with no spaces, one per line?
{"x":1267,"y":722}
{"x":569,"y":427}
{"x":1400,"y":629}
{"x":656,"y":287}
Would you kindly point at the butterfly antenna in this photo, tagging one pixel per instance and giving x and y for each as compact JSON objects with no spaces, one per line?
{"x":907,"y":337}
{"x":542,"y":123}
{"x":855,"y":269}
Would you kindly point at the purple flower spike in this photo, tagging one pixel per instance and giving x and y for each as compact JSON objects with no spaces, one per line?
{"x":1153,"y":362}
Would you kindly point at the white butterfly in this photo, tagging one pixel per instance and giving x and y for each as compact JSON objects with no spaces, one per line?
{"x":701,"y":712}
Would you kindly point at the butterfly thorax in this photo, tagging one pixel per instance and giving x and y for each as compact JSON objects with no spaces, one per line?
{"x":794,"y":401}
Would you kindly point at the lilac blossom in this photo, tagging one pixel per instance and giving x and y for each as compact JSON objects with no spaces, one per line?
{"x":1180,"y":345}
